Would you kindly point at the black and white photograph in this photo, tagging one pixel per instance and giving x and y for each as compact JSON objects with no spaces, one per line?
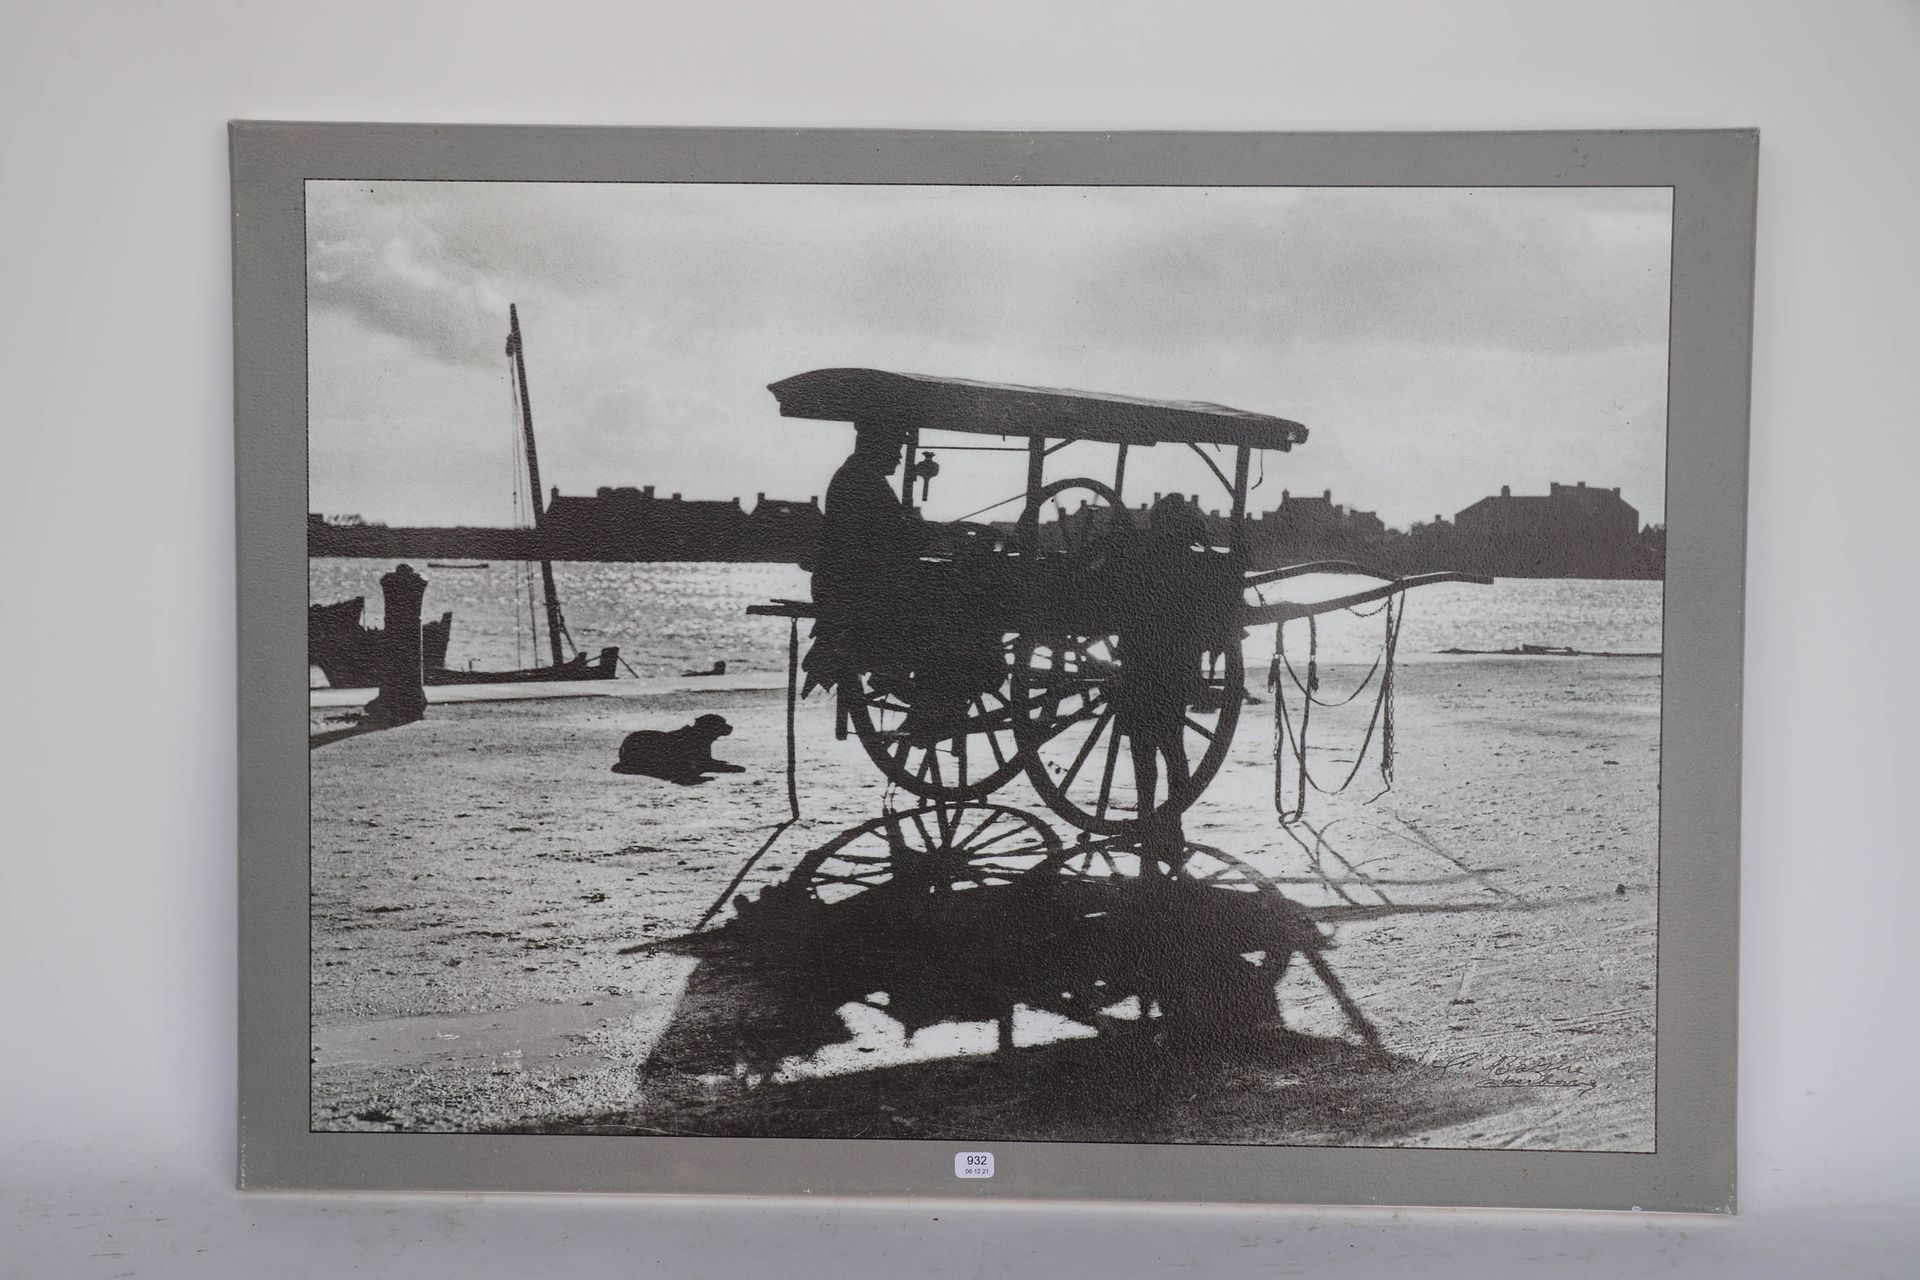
{"x":965,"y":641}
{"x":976,"y":663}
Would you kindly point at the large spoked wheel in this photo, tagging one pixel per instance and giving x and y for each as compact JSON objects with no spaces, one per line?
{"x":1111,"y":740}
{"x":949,"y":754}
{"x":1096,"y":762}
{"x":928,"y":851}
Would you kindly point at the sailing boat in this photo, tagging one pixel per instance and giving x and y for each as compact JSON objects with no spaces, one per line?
{"x":578,"y":666}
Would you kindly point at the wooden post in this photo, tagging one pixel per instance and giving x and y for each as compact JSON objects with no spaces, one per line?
{"x":402,"y":698}
{"x":1240,"y":463}
{"x":793,"y":700}
{"x":1036,"y":480}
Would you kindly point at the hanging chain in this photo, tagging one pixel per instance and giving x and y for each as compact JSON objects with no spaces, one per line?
{"x":1286,"y":743}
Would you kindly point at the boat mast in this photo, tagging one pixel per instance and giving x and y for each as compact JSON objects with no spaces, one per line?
{"x":517,"y":351}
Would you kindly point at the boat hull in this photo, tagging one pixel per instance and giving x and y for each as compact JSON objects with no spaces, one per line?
{"x":579,"y":667}
{"x":352,"y":656}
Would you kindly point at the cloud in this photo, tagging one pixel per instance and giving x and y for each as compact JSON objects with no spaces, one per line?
{"x":656,"y":315}
{"x":388,"y":265}
{"x":1545,"y":271}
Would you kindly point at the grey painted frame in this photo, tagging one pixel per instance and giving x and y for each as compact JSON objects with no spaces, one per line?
{"x":1712,"y":174}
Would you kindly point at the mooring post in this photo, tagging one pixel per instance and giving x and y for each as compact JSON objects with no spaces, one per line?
{"x":402,"y":698}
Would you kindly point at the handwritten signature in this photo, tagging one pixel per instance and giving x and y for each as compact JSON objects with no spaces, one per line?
{"x":1510,"y":1070}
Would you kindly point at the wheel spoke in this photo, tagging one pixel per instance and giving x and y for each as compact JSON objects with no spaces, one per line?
{"x":1199,"y":728}
{"x":926,"y":837}
{"x":1008,"y":834}
{"x":993,"y":744}
{"x":1106,"y":780}
{"x":1086,"y":749}
{"x":993,"y":815}
{"x":1089,"y":712}
{"x":868,"y":878}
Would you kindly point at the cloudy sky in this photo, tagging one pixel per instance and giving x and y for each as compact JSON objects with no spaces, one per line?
{"x":1437,"y":342}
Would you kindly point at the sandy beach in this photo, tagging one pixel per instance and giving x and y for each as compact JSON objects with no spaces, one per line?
{"x":484,"y":891}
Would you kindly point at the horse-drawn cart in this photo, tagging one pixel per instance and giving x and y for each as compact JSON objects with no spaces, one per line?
{"x":1098,"y":653}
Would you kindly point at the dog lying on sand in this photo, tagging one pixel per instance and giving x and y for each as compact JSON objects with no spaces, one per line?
{"x":683,"y":755}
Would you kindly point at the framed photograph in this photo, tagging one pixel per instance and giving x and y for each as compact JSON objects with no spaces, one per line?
{"x":1132,"y":666}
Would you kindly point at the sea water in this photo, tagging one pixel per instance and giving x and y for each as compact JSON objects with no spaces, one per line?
{"x":672,"y":617}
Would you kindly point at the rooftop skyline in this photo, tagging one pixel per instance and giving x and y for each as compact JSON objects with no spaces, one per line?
{"x":1437,"y":343}
{"x":1138,"y":500}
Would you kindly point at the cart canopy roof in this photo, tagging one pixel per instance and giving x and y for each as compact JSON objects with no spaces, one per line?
{"x":874,"y":397}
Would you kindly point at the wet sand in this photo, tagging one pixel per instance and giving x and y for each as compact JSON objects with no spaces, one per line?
{"x":480,"y":883}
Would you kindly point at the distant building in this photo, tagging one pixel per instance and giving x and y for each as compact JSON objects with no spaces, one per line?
{"x":1315,"y":528}
{"x":781,"y":530}
{"x":627,"y":523}
{"x":1573,"y":531}
{"x":1653,"y":551}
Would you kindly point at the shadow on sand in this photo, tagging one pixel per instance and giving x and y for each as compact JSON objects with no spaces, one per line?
{"x":959,"y":973}
{"x":353,"y":725}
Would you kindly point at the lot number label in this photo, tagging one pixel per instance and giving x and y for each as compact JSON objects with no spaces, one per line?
{"x":973,"y":1164}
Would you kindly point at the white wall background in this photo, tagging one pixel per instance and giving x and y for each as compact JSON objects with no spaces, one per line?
{"x":116,"y":601}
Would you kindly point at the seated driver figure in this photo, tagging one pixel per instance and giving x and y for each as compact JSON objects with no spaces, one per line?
{"x":899,"y":619}
{"x":869,"y":541}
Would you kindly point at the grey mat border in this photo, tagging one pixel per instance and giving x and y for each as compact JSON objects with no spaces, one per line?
{"x":1712,"y":174}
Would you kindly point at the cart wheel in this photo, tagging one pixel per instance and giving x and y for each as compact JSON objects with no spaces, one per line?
{"x":1081,"y":752}
{"x":933,"y":849}
{"x":967,"y":757}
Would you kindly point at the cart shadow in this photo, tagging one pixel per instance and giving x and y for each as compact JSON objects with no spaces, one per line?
{"x":1043,"y":1006}
{"x":1352,"y":894}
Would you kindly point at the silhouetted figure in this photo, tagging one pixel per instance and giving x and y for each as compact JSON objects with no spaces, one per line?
{"x":1163,"y":640}
{"x":869,"y":541}
{"x":402,"y":698}
{"x":916,"y":626}
{"x":683,"y":755}
{"x":719,"y":668}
